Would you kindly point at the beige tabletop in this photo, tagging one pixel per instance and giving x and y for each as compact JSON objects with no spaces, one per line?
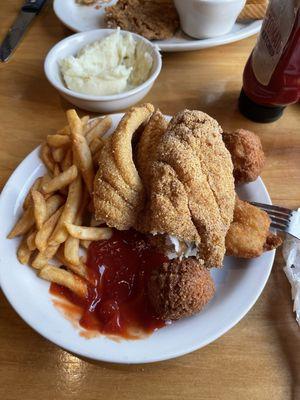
{"x":260,"y":357}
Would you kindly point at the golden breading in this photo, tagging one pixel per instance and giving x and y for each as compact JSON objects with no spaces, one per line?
{"x":192,"y":187}
{"x":121,"y":142}
{"x":118,"y":190}
{"x":147,"y":146}
{"x":249,"y":235}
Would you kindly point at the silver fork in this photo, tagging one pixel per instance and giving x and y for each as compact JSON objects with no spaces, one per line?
{"x":283,"y":219}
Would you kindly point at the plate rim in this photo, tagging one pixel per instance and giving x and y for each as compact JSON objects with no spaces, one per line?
{"x":122,"y":360}
{"x":250,"y":29}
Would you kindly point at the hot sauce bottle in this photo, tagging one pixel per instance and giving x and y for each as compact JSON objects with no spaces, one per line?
{"x":271,"y":78}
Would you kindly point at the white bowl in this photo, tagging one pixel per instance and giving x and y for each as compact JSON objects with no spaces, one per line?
{"x":208,"y":18}
{"x":105,"y":104}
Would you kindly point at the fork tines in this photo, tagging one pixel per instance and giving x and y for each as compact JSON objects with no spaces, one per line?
{"x":280,"y":216}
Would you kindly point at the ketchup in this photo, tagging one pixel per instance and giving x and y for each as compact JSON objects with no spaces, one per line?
{"x":117,"y":302}
{"x":271,"y":77}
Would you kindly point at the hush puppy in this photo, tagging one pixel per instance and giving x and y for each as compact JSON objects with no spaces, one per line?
{"x":180,"y":288}
{"x":246,"y":153}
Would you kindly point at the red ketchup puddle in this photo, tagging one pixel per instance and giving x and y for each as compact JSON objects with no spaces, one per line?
{"x":117,"y":304}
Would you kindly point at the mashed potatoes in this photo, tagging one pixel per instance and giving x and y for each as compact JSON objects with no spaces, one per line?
{"x":109,"y":66}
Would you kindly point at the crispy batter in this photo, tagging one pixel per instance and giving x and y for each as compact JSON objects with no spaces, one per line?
{"x":192,"y":188}
{"x":249,"y":235}
{"x":180,"y":288}
{"x":155,"y":20}
{"x":147,"y":146}
{"x":246,"y":153}
{"x":118,"y":190}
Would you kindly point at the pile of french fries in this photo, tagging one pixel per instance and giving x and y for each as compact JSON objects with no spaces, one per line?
{"x":59,"y":202}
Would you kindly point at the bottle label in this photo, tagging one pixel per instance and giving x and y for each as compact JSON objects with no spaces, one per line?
{"x":275,"y":32}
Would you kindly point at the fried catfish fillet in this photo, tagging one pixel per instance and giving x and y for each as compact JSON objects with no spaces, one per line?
{"x":118,"y":189}
{"x":249,"y":234}
{"x":191,"y":195}
{"x":147,"y":146}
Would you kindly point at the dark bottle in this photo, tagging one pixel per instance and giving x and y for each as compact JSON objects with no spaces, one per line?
{"x":271,"y":79}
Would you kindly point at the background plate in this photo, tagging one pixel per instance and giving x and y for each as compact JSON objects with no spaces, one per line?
{"x":238,"y":284}
{"x":81,"y":18}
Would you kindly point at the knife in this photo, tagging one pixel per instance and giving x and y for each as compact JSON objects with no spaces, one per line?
{"x":28,"y":11}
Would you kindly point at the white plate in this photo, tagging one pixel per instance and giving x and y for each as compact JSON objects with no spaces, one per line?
{"x":81,"y":18}
{"x":238,"y":285}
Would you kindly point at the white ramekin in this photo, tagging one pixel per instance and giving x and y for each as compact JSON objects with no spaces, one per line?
{"x":208,"y":18}
{"x":104,"y":104}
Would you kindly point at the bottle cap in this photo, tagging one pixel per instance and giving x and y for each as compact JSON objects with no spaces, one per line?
{"x":258,"y":112}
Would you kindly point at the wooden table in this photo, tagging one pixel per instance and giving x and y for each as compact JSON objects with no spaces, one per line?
{"x":257,"y":359}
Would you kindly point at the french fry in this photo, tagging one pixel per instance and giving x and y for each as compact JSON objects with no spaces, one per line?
{"x":56,"y":172}
{"x":42,"y":259}
{"x":58,"y":154}
{"x":81,"y":150}
{"x":23,"y":252}
{"x":53,"y":203}
{"x":69,"y":213}
{"x":58,"y":140}
{"x":96,"y":145}
{"x":66,"y":129}
{"x":68,"y":160}
{"x":27,"y":220}
{"x":85,"y":124}
{"x":85,"y":243}
{"x":24,"y":224}
{"x":88,"y":233}
{"x":46,"y":178}
{"x":60,"y":181}
{"x":39,"y":208}
{"x":31,"y":240}
{"x":91,"y":123}
{"x":71,"y":250}
{"x":46,"y":157}
{"x":94,"y":222}
{"x":42,"y":236}
{"x":64,"y":278}
{"x":103,"y":125}
{"x":79,"y":269}
{"x":28,"y":198}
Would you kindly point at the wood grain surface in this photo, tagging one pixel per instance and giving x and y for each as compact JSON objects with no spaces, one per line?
{"x":259,"y":358}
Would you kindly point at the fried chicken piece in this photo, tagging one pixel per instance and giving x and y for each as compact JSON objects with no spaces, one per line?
{"x":180,"y":288}
{"x":192,"y":187}
{"x":118,"y":190}
{"x":249,"y":234}
{"x":247,"y":154}
{"x":155,"y":20}
{"x":147,"y":146}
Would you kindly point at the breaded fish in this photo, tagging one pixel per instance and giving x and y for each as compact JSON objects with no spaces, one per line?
{"x":147,"y":146}
{"x":118,"y":190}
{"x":192,"y":187}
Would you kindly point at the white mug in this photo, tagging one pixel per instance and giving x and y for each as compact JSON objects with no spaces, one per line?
{"x":208,"y":18}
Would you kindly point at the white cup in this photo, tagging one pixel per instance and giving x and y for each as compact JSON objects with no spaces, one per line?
{"x":208,"y":18}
